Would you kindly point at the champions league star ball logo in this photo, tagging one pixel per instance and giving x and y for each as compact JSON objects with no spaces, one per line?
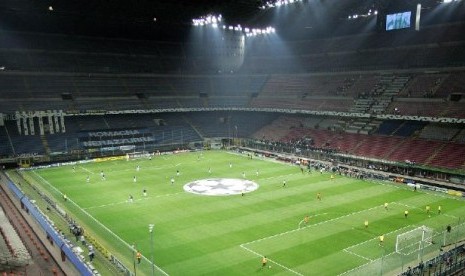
{"x":220,"y":186}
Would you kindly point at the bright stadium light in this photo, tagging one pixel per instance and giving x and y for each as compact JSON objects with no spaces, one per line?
{"x":209,"y":19}
{"x":366,"y":14}
{"x":215,"y":21}
{"x":277,"y":3}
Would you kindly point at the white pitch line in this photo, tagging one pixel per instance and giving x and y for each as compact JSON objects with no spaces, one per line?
{"x":355,"y":254}
{"x":86,"y":170}
{"x":406,"y":205}
{"x":348,"y":249}
{"x":300,"y":223}
{"x":294,"y":230}
{"x":271,"y":261}
{"x":311,"y":225}
{"x":358,"y":244}
{"x":451,"y":216}
{"x":126,"y":202}
{"x":415,"y":207}
{"x":98,"y":222}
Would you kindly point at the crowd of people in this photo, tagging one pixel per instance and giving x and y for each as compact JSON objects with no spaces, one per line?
{"x":442,"y":263}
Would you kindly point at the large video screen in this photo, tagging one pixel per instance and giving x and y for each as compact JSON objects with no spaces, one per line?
{"x":397,"y":21}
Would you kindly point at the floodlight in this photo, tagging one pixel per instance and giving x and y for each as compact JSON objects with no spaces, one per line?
{"x":207,"y":20}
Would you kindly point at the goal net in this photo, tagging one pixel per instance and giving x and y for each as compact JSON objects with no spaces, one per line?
{"x":138,"y":155}
{"x":414,"y":240}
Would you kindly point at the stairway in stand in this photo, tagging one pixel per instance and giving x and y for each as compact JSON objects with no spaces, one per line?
{"x":45,"y":144}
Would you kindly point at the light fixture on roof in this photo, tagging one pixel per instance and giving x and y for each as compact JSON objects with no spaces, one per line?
{"x":277,"y":3}
{"x":209,"y":19}
{"x":369,"y":13}
{"x":50,"y":8}
{"x":216,"y":21}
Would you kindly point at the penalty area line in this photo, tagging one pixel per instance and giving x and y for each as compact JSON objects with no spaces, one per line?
{"x":312,"y":225}
{"x":306,"y":224}
{"x":358,"y":255}
{"x":400,"y":229}
{"x":271,"y":261}
{"x":348,"y":249}
{"x":82,"y":168}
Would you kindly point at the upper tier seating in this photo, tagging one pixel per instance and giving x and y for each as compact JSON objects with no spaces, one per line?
{"x":395,"y":148}
{"x":439,"y":132}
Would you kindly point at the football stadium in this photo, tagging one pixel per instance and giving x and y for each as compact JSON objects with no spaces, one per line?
{"x":220,"y":137}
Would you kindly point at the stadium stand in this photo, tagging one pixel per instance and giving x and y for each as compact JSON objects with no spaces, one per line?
{"x":228,"y":125}
{"x":408,"y":128}
{"x":424,"y":86}
{"x":460,"y":137}
{"x":389,"y":126}
{"x":354,"y":80}
{"x":322,"y":134}
{"x":13,"y":253}
{"x":449,"y":156}
{"x":439,"y":132}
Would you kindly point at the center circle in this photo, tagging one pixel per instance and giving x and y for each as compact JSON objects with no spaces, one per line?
{"x":220,"y":186}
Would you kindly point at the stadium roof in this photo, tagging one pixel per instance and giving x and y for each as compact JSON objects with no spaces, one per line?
{"x":170,"y":19}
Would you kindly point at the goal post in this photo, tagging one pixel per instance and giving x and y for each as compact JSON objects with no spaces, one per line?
{"x":138,"y":155}
{"x":414,"y":240}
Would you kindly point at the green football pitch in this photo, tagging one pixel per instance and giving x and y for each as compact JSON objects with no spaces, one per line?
{"x":204,"y":233}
